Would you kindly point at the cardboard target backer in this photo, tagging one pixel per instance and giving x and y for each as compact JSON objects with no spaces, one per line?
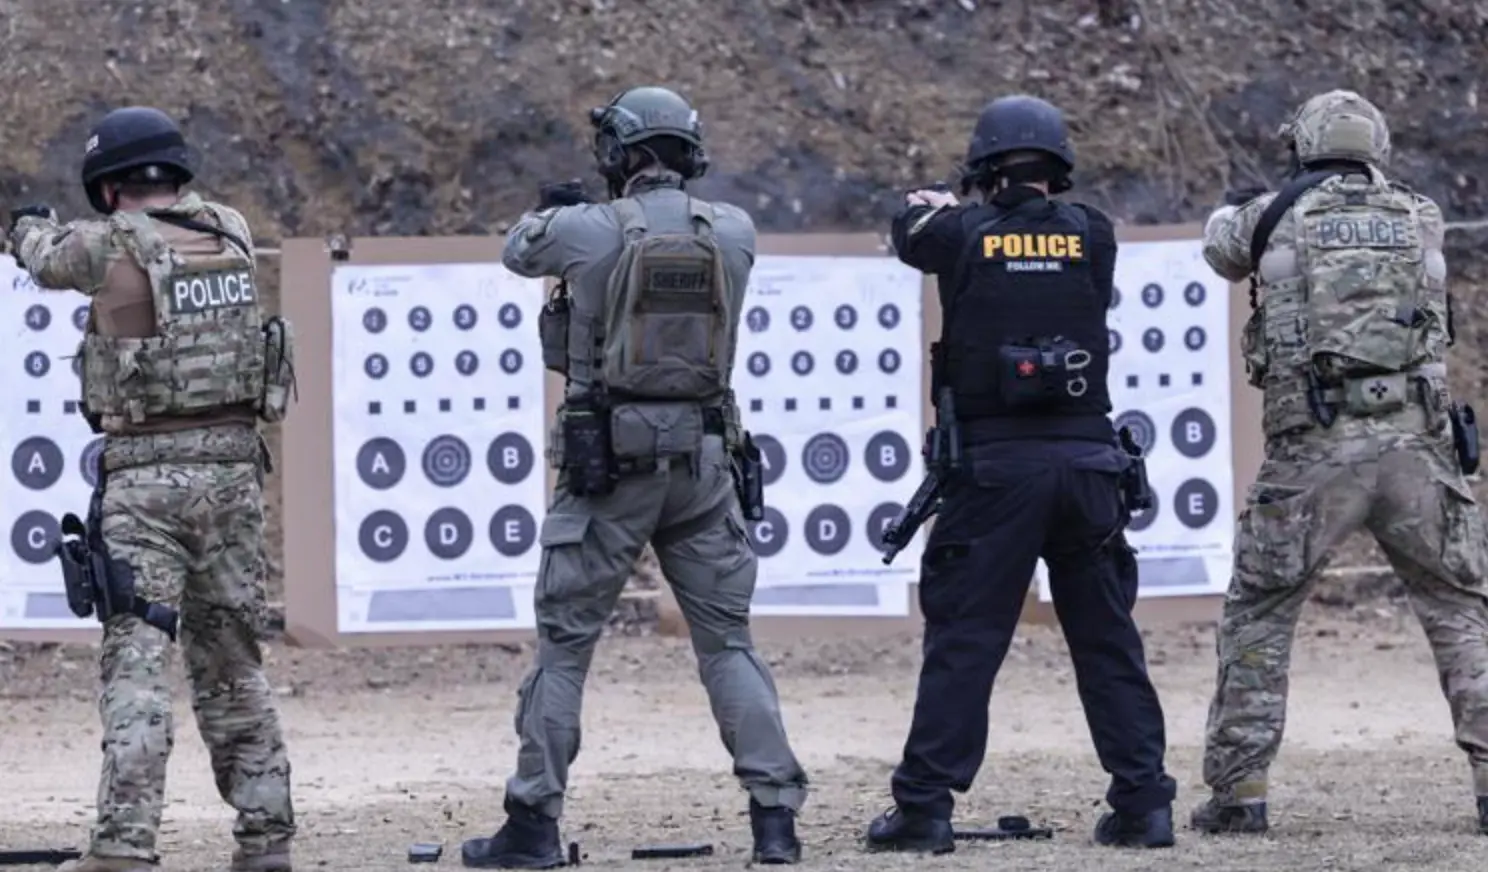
{"x":52,"y":452}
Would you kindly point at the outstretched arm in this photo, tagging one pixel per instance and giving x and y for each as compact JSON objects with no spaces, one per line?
{"x":63,"y":257}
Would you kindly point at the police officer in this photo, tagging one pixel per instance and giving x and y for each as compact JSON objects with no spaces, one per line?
{"x":1025,"y":283}
{"x":1359,"y":428}
{"x":178,"y":364}
{"x":646,"y":444}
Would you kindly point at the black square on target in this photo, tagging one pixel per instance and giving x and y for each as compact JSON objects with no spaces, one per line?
{"x":1164,"y":380}
{"x":891,"y":402}
{"x":374,"y":408}
{"x":857,"y":402}
{"x":514,"y":402}
{"x":790,"y":404}
{"x":480,"y":404}
{"x":756,"y":405}
{"x":1198,"y":378}
{"x":33,"y":407}
{"x":1131,"y":381}
{"x":69,"y":407}
{"x":444,"y":405}
{"x":825,"y":404}
{"x":410,"y":406}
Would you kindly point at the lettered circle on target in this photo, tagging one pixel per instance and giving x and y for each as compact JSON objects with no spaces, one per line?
{"x":825,"y":458}
{"x":446,"y":460}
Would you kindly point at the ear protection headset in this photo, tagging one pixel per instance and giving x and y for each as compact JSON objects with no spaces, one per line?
{"x":609,"y":150}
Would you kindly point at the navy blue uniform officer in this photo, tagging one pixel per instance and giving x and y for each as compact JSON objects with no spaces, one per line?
{"x":1025,"y":285}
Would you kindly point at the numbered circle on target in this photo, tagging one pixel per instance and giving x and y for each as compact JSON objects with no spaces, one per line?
{"x":38,"y":317}
{"x":1143,"y":430}
{"x":879,"y":520}
{"x":758,"y":319}
{"x":421,"y":364}
{"x":446,"y":460}
{"x":466,"y":316}
{"x":825,"y":458}
{"x":847,"y":362}
{"x":802,"y":363}
{"x":38,"y":364}
{"x":511,"y":361}
{"x":800,"y":318}
{"x":769,"y":534}
{"x":88,"y":461}
{"x":758,"y":364}
{"x":376,"y":366}
{"x":374,"y":320}
{"x":846,"y":317}
{"x":419,"y":318}
{"x":510,"y":315}
{"x":888,"y":316}
{"x":772,"y":458}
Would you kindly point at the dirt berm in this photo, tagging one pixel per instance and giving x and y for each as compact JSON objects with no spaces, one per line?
{"x":443,"y":116}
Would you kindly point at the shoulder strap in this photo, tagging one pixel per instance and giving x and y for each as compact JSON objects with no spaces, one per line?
{"x":1283,"y":201}
{"x":185,"y":223}
{"x":632,"y":216}
{"x":968,"y":251}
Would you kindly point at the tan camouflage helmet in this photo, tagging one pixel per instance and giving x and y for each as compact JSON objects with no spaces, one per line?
{"x":1339,"y":125}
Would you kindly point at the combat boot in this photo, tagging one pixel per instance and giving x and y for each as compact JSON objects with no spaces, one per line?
{"x":94,"y":863}
{"x":775,"y":842}
{"x":1151,"y":830}
{"x":1218,"y":816}
{"x":896,"y":830}
{"x":528,"y":840}
{"x":275,"y":859}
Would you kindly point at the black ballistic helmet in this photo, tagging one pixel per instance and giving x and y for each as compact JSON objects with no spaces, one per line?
{"x":1011,"y":128}
{"x":640,"y":114}
{"x":134,"y":141}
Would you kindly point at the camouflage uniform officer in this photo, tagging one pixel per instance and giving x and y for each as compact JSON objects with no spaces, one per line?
{"x":1348,"y":344}
{"x":646,"y":334}
{"x":178,"y":364}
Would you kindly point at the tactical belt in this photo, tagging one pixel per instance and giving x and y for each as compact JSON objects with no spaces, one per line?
{"x":1336,"y":394}
{"x":227,"y":443}
{"x":713,"y":425}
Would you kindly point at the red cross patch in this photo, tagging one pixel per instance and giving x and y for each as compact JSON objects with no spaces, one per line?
{"x":1026,"y":368}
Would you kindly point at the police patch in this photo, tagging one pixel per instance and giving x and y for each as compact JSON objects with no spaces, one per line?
{"x":197,"y":292}
{"x":1033,"y":252}
{"x":1363,"y":231}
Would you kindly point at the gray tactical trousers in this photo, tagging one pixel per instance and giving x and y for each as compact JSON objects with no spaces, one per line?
{"x":690,"y":514}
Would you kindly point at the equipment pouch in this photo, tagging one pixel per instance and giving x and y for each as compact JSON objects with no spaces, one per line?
{"x":1253,"y":348}
{"x":588,"y":459}
{"x":1136,"y":489}
{"x":279,"y":375}
{"x":1465,"y":436}
{"x":749,"y":481}
{"x":72,"y":551}
{"x":1375,"y":394}
{"x":1041,"y":375}
{"x":552,"y":330}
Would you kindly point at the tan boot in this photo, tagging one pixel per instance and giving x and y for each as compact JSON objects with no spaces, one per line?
{"x":91,"y":863}
{"x":276,"y":859}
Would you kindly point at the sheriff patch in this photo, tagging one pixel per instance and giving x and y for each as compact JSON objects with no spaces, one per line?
{"x":195,"y":293}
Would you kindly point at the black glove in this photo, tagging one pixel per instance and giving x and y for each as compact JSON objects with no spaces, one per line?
{"x":1241,"y":196}
{"x":38,"y":210}
{"x":570,"y":193}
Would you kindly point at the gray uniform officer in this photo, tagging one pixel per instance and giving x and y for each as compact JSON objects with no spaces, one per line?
{"x":648,"y":448}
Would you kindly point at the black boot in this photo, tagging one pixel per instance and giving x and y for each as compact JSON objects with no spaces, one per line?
{"x":1483,"y":815}
{"x":1216,"y":817}
{"x":896,"y":830}
{"x":775,"y":842}
{"x":1151,"y":830}
{"x":528,"y":840}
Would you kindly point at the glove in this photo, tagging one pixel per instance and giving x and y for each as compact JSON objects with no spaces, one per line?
{"x":38,"y":210}
{"x":1241,"y":196}
{"x":570,"y":193}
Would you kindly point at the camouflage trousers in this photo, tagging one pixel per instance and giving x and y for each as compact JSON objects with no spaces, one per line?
{"x":1315,"y":489}
{"x":193,"y":534}
{"x":689,"y":513}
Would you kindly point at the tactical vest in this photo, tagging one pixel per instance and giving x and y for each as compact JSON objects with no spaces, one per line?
{"x":1023,"y":296}
{"x":1347,"y":329}
{"x":668,"y":333}
{"x":212,"y":347}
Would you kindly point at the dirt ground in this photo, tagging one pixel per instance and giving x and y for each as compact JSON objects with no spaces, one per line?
{"x":394,"y":747}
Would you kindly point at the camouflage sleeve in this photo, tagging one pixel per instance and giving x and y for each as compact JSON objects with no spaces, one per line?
{"x":1227,"y":236}
{"x":233,"y":222}
{"x":552,"y":242}
{"x":71,"y":257}
{"x":1433,"y":240}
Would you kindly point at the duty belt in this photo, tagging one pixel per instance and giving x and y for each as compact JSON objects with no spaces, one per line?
{"x":227,"y":443}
